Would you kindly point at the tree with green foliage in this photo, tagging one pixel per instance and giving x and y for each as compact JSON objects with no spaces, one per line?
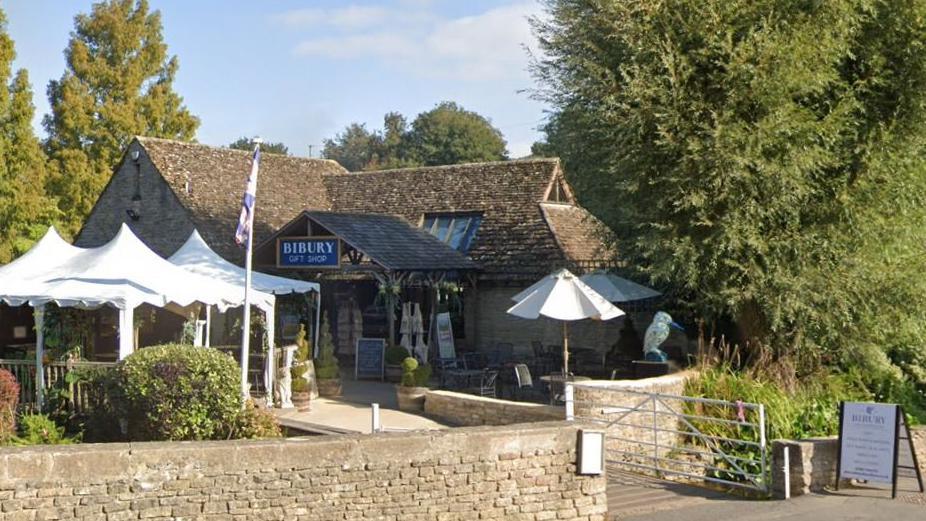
{"x":26,"y":211}
{"x":763,"y":159}
{"x":448,"y":134}
{"x":118,"y":84}
{"x":444,"y":135}
{"x":269,"y":147}
{"x":355,"y":148}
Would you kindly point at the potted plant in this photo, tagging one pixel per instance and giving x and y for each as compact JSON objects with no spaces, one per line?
{"x":413,"y":387}
{"x":394,"y":357}
{"x":327,"y":371}
{"x":301,"y":373}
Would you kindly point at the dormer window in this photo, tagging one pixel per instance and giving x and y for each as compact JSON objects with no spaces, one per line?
{"x":455,"y":229}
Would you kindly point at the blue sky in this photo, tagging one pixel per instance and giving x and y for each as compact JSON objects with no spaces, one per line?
{"x":299,"y":71}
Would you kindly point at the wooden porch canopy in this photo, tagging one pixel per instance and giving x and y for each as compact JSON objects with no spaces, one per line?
{"x":366,"y":243}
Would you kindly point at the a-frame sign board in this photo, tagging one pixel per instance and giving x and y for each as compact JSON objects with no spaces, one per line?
{"x":870,"y":436}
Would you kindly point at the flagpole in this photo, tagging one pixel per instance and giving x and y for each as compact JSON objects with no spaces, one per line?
{"x":246,"y":321}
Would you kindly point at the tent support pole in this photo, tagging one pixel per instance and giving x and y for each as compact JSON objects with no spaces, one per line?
{"x":126,"y":331}
{"x":39,"y":355}
{"x":208,"y":342}
{"x":318,"y":319}
{"x":270,"y":365}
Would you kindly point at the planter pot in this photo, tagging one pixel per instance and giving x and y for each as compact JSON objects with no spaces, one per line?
{"x":302,"y":400}
{"x":329,"y":387}
{"x":393,"y":373}
{"x":410,"y":399}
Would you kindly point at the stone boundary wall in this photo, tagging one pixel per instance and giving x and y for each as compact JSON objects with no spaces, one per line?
{"x":522,"y":472}
{"x":605,"y":400}
{"x":469,"y":410}
{"x":813,"y":462}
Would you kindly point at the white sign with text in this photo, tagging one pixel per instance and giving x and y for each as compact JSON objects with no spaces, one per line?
{"x":868,"y":440}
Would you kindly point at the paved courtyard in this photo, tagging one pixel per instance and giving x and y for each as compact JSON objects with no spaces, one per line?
{"x":351,"y":413}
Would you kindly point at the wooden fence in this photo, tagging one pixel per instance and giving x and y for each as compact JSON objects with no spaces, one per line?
{"x":55,"y":378}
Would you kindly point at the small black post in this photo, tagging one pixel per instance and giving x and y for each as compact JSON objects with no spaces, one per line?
{"x":897,"y":414}
{"x":842,"y":410}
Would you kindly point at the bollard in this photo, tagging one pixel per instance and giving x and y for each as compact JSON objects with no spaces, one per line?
{"x":377,"y":425}
{"x":570,"y":402}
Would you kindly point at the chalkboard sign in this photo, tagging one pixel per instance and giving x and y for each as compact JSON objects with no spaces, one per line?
{"x":369,"y":358}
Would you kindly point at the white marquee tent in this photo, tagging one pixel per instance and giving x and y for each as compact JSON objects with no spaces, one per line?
{"x":124,"y":273}
{"x":196,"y":256}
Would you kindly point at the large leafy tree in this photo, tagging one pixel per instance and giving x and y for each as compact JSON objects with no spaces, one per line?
{"x":764,"y":158}
{"x":449,"y":134}
{"x":444,"y":135}
{"x":270,"y":147}
{"x":118,"y":84}
{"x":25,"y":211}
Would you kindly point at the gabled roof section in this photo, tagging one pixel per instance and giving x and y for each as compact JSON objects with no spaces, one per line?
{"x":390,"y":242}
{"x":580,"y":234}
{"x":209,"y":182}
{"x":513,"y":237}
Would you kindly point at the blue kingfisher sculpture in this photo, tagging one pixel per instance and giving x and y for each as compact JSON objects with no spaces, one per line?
{"x":656,"y":334}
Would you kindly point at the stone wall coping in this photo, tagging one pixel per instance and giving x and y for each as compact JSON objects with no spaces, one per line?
{"x":495,"y":401}
{"x":641,"y":384}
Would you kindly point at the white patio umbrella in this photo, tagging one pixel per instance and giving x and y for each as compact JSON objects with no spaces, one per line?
{"x":562,"y":296}
{"x":617,"y":289}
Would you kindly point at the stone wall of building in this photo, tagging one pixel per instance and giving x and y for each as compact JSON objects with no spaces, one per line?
{"x":467,"y":409}
{"x":522,"y":472}
{"x":163,"y":223}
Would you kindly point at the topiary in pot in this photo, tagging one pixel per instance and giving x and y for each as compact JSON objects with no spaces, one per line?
{"x":302,"y":372}
{"x":393,"y":358}
{"x":409,"y":394}
{"x":327,"y":371}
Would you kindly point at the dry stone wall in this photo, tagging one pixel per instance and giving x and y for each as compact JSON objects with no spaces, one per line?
{"x":469,"y":410}
{"x":513,"y":472}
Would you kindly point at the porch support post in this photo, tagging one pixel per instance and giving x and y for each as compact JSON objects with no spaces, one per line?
{"x":39,"y":314}
{"x":126,"y":331}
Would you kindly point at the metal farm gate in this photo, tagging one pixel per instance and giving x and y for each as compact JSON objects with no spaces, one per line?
{"x":677,"y":437}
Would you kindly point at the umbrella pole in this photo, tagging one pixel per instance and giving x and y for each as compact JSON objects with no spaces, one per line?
{"x":565,"y":349}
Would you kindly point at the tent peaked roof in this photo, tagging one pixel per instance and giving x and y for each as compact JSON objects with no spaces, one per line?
{"x":51,"y":249}
{"x":196,"y":256}
{"x":125,"y":273}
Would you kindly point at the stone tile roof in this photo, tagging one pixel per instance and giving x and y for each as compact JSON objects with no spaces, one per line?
{"x":577,"y":232}
{"x":513,"y":237}
{"x":518,"y":237}
{"x":392,"y":242}
{"x":209,"y":182}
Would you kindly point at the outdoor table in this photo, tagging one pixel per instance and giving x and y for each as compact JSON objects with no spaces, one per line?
{"x":556,"y":383}
{"x":463,"y":378}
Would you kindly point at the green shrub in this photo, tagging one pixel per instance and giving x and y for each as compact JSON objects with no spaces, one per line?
{"x":256,"y":422}
{"x":422,"y":375}
{"x":409,"y":365}
{"x":9,"y":400}
{"x":811,"y":409}
{"x":300,"y":385}
{"x":326,"y":367}
{"x":39,"y":429}
{"x":396,"y":354}
{"x":177,"y":392}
